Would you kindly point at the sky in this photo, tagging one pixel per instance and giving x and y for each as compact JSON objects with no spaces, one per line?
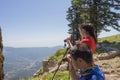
{"x":35,"y":23}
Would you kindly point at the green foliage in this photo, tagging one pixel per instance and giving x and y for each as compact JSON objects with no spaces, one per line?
{"x":61,"y":75}
{"x":110,"y":39}
{"x":100,"y":50}
{"x":59,"y":53}
{"x":105,"y":65}
{"x":41,"y":70}
{"x":31,"y":78}
{"x":21,"y":78}
{"x":102,"y":13}
{"x":118,"y":65}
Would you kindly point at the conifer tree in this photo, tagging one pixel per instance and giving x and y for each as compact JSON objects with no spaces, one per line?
{"x":102,"y":13}
{"x":74,"y":18}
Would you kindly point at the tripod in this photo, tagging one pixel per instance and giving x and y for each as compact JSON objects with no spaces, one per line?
{"x":60,"y":63}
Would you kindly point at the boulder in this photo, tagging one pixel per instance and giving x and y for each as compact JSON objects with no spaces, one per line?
{"x":109,"y":55}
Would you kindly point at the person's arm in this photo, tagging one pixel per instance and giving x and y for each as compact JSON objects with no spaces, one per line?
{"x":73,"y":72}
{"x":70,"y":44}
{"x":74,"y":75}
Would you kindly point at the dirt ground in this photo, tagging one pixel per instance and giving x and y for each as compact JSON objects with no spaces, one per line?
{"x":111,"y":68}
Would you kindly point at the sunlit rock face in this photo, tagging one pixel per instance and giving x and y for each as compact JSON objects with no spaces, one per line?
{"x":1,"y":57}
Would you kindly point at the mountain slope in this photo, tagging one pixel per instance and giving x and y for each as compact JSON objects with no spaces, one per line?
{"x":113,"y":38}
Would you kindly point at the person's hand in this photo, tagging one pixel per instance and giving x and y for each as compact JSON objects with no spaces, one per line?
{"x":77,"y":42}
{"x":69,"y":59}
{"x":68,"y":56}
{"x":67,"y":39}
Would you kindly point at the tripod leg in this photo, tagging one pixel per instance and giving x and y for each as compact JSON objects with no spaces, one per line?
{"x":60,"y":63}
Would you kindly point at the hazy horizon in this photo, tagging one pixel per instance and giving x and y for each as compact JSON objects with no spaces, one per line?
{"x":35,"y":23}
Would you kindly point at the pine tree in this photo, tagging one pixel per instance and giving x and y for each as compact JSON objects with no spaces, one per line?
{"x":74,"y":17}
{"x":102,"y":13}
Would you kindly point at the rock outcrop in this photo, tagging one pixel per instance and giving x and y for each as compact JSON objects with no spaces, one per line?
{"x":109,"y":55}
{"x":1,"y":58}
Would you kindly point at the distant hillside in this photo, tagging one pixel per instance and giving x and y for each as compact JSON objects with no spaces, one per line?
{"x":23,"y":62}
{"x":113,"y":38}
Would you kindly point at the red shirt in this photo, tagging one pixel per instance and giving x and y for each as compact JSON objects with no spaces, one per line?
{"x":90,"y":42}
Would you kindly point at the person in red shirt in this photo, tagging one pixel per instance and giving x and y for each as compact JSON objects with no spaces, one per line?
{"x":88,"y":36}
{"x":87,"y":33}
